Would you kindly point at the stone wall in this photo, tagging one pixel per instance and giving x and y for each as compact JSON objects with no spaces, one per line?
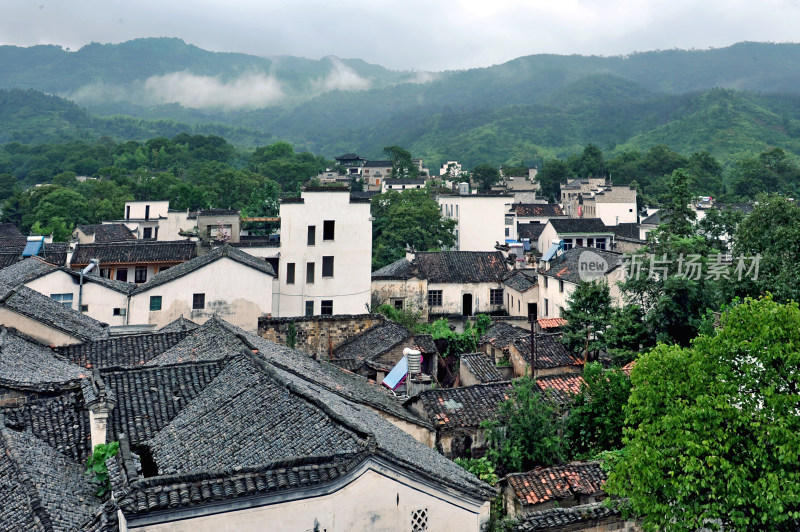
{"x":10,"y":398}
{"x":317,"y":335}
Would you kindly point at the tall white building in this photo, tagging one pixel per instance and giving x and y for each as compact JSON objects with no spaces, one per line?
{"x":480,"y":219}
{"x":325,"y":254}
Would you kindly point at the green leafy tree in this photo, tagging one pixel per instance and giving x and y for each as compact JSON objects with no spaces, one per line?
{"x":525,"y":432}
{"x":409,"y":218}
{"x":712,"y":432}
{"x":771,"y":231}
{"x":485,"y":175}
{"x":628,"y":334}
{"x":591,"y":163}
{"x":481,"y":468}
{"x":596,"y":418}
{"x":402,"y":164}
{"x":588,"y":314}
{"x":552,"y":174}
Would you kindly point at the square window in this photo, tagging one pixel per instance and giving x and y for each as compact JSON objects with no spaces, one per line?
{"x":119,"y":312}
{"x":309,"y":308}
{"x":600,"y":243}
{"x":310,"y":273}
{"x":140,"y":275}
{"x":155,"y":303}
{"x":327,"y":266}
{"x":105,"y":273}
{"x":326,"y":307}
{"x":397,"y":304}
{"x":122,"y":274}
{"x":328,"y":229}
{"x":198,"y":301}
{"x":312,"y":235}
{"x":434,"y":298}
{"x":496,"y":296}
{"x":147,"y":232}
{"x":290,"y":273}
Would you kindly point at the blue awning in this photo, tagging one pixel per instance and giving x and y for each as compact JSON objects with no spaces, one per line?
{"x":32,"y":248}
{"x":398,"y":374}
{"x":551,"y":252}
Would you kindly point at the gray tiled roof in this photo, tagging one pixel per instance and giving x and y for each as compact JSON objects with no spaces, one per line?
{"x":626,"y":230}
{"x":579,"y":225}
{"x":559,"y":518}
{"x":531,"y":231}
{"x":93,"y":277}
{"x":122,"y":351}
{"x":448,"y":267}
{"x":371,"y":343}
{"x":134,"y":251}
{"x":244,"y":404}
{"x":41,"y":308}
{"x":108,"y":232}
{"x":208,"y":342}
{"x":520,"y":281}
{"x":190,"y":266}
{"x":399,"y":269}
{"x":25,"y":271}
{"x":41,"y":489}
{"x":60,"y":420}
{"x":501,"y":333}
{"x":550,"y":352}
{"x":26,"y":364}
{"x":567,"y":265}
{"x":468,"y":406}
{"x":481,"y":366}
{"x":11,"y":251}
{"x":9,"y":230}
{"x":149,"y":398}
{"x":657,"y":218}
{"x":181,"y":324}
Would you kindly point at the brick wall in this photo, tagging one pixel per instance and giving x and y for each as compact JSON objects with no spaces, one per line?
{"x":317,"y":335}
{"x":10,"y":398}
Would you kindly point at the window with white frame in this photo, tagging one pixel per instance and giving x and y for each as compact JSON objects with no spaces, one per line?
{"x":63,"y":299}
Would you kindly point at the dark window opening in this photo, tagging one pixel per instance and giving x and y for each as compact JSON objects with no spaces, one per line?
{"x":328,"y":229}
{"x":434,"y":298}
{"x":496,"y":296}
{"x":147,"y":232}
{"x":290,"y":273}
{"x":147,"y":212}
{"x":312,"y":235}
{"x":327,"y":266}
{"x":310,"y":273}
{"x":309,"y":308}
{"x":155,"y":303}
{"x":140,"y":275}
{"x":119,"y":312}
{"x":128,"y":212}
{"x":326,"y":307}
{"x":198,"y":301}
{"x":122,"y":274}
{"x":149,"y":467}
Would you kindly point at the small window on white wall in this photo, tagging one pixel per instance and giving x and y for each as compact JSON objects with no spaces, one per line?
{"x":419,"y":520}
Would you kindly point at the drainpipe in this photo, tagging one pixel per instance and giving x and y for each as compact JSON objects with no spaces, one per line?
{"x":92,"y":265}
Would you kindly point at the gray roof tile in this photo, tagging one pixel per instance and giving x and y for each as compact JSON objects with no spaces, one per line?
{"x":108,"y":232}
{"x":550,"y":352}
{"x":468,"y":406}
{"x":26,"y":364}
{"x":482,"y":367}
{"x":122,"y":351}
{"x":134,"y":251}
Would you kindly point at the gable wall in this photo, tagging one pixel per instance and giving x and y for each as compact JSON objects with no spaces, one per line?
{"x":101,"y":300}
{"x":317,"y":335}
{"x":35,"y":329}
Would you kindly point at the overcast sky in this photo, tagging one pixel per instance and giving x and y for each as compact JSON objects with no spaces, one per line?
{"x":407,"y":34}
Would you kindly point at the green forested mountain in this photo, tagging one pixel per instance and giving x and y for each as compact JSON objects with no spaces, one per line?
{"x":731,"y":102}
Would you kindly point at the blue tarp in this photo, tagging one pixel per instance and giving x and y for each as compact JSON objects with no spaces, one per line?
{"x":551,"y":252}
{"x":32,"y":248}
{"x":398,"y":374}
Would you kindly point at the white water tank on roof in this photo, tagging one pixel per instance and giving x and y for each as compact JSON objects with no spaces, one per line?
{"x":414,"y":360}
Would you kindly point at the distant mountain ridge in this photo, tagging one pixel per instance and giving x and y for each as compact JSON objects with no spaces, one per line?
{"x":730,"y":100}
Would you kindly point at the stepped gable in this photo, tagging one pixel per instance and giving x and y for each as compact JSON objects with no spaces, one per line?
{"x":27,"y":365}
{"x":501,"y":333}
{"x":41,"y":489}
{"x":562,"y":389}
{"x":25,"y":271}
{"x":32,"y":304}
{"x":482,"y":367}
{"x":141,"y":251}
{"x":181,"y":324}
{"x":148,"y":398}
{"x":545,"y":484}
{"x":185,"y":268}
{"x":61,"y":420}
{"x":107,"y":232}
{"x":550,"y":352}
{"x":209,"y":342}
{"x":468,"y":406}
{"x":123,"y":351}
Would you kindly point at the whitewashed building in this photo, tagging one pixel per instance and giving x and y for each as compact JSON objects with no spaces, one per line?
{"x":480,"y":219}
{"x":325,"y":254}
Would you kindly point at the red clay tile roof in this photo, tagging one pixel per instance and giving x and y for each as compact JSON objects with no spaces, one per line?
{"x":538,"y":209}
{"x":562,"y":387}
{"x":558,"y":482}
{"x":549,"y":323}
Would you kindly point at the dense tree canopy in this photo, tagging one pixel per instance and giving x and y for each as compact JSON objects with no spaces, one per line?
{"x":713,"y":431}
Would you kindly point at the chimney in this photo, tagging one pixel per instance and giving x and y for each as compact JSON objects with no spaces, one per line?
{"x":100,"y":402}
